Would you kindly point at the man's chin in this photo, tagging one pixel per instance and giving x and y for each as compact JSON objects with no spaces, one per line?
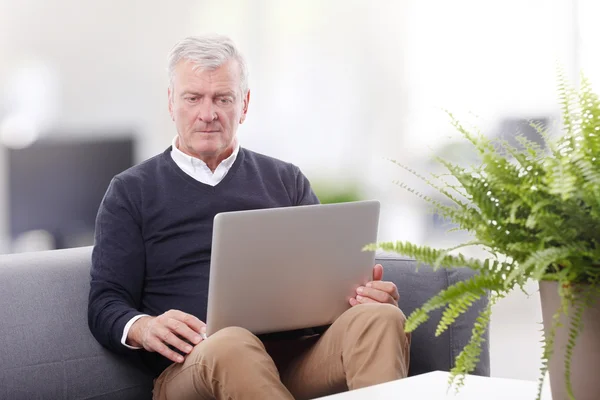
{"x":209,"y":151}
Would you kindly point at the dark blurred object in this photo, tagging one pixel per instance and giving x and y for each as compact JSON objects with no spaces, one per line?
{"x":57,"y":185}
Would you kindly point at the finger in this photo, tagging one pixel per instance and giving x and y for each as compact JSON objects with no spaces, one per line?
{"x":188,"y":319}
{"x":353,"y":302}
{"x":388,"y":287}
{"x":378,"y":295}
{"x":169,"y":337}
{"x":181,"y":329}
{"x":158,"y":346}
{"x":365,"y":300}
{"x":377,"y":272}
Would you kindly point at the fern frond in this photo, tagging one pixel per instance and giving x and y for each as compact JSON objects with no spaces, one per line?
{"x":468,"y":358}
{"x":537,"y":263}
{"x":561,"y":180}
{"x":439,"y":188}
{"x":532,"y":148}
{"x":589,"y":172}
{"x":436,"y":264}
{"x":464,"y":217}
{"x":575,"y":328}
{"x":478,"y":285}
{"x":454,"y":310}
{"x":434,"y":257}
{"x":479,"y":141}
{"x":566,"y":100}
{"x":548,"y":348}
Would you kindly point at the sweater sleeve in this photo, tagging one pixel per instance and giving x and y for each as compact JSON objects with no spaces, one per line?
{"x":304,"y":193}
{"x":118,"y":266}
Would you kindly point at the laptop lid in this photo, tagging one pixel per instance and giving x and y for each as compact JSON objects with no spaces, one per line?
{"x":288,"y":268}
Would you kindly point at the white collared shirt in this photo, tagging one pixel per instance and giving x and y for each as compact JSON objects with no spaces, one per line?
{"x":198,"y":170}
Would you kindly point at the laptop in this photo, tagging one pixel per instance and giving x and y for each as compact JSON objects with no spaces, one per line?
{"x":289,"y":268}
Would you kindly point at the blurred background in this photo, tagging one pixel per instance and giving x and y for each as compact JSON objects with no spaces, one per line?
{"x":339,"y":88}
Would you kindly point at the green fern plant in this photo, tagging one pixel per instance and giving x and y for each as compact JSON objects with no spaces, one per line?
{"x":534,"y":209}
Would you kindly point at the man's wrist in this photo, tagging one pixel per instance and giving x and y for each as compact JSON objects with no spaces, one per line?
{"x":134,"y":336}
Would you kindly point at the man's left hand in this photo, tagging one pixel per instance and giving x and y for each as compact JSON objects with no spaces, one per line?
{"x":376,"y":291}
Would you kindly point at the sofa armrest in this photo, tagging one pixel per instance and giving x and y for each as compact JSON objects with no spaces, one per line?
{"x":428,"y":352}
{"x":47,"y":349}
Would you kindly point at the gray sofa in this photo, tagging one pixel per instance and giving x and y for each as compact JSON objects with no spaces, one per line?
{"x":47,"y":351}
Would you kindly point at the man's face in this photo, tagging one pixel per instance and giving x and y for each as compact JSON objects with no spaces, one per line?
{"x":207,"y":107}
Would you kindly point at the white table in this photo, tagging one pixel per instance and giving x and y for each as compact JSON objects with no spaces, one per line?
{"x":434,"y":386}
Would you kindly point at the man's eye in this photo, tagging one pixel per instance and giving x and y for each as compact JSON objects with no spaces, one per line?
{"x":192,"y":99}
{"x":224,"y":100}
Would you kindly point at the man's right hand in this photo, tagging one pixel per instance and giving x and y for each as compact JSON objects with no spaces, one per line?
{"x":170,"y":328}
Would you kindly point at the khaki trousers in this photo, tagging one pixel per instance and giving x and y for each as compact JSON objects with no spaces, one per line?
{"x":365,"y":346}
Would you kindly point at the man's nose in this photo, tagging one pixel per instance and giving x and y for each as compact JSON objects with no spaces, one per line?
{"x":207,"y":112}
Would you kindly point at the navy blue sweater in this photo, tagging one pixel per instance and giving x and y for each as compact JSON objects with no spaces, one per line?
{"x":153,"y":238}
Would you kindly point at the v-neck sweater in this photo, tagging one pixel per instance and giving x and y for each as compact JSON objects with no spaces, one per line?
{"x":153,"y":237}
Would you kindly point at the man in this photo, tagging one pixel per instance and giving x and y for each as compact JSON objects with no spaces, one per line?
{"x":150,"y":267}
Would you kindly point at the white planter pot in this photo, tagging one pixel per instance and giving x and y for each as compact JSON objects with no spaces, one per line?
{"x":585,"y":364}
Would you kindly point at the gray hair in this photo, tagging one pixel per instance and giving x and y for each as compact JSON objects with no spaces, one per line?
{"x":207,"y":53}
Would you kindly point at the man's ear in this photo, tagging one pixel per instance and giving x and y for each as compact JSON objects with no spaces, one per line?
{"x":170,"y":99}
{"x":245,"y":106}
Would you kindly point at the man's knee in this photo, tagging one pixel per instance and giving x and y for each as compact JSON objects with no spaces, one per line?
{"x":231,"y":362}
{"x":226,"y":346}
{"x":376,"y":312}
{"x":376,"y":319}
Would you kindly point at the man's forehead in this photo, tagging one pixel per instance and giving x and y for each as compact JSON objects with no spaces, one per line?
{"x":228,"y":70}
{"x":189,"y":76}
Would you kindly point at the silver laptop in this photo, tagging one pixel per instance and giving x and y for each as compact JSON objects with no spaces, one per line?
{"x":282,"y":269}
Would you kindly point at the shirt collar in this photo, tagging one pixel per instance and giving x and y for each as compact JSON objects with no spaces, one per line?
{"x":181,"y":158}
